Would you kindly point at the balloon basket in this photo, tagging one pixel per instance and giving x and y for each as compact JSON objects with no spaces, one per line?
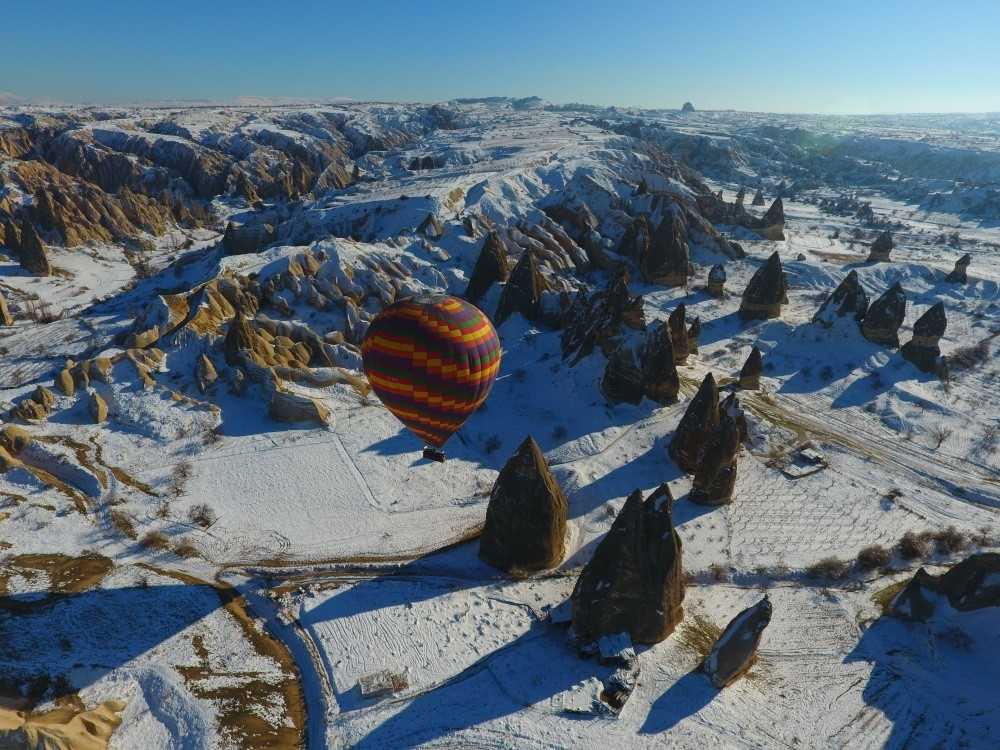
{"x":433,"y":454}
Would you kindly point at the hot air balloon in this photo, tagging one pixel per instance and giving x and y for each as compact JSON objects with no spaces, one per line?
{"x":432,"y":360}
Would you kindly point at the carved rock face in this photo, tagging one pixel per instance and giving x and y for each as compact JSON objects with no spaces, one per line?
{"x":736,"y":650}
{"x":634,"y":583}
{"x":751,"y":372}
{"x":697,"y":426}
{"x":959,"y":274}
{"x":885,"y":316}
{"x":492,"y":267}
{"x":849,"y":298}
{"x":766,"y":292}
{"x":526,"y":518}
{"x":881,"y":248}
{"x":923,"y":350}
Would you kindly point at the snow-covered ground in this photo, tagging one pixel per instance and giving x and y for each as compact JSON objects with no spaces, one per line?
{"x":356,"y":555}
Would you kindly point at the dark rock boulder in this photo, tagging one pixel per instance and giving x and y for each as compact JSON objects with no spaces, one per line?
{"x":881,"y":247}
{"x":885,"y":316}
{"x":751,"y":371}
{"x":634,"y":583}
{"x":660,"y":382}
{"x":699,"y":423}
{"x":715,"y":477}
{"x":923,"y":350}
{"x":667,"y":259}
{"x":523,"y":291}
{"x":959,"y":274}
{"x":492,"y":267}
{"x":32,"y":253}
{"x":766,"y":291}
{"x":849,"y":298}
{"x":736,"y":650}
{"x":526,"y":517}
{"x":717,"y":280}
{"x":677,"y":324}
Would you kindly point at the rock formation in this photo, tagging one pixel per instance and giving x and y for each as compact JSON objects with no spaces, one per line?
{"x":736,"y":650}
{"x":293,"y":407}
{"x":973,"y":583}
{"x":526,"y":517}
{"x":677,"y":324}
{"x":205,"y":374}
{"x":923,"y":350}
{"x":245,"y":189}
{"x":598,"y":318}
{"x":693,"y":334}
{"x":730,"y":407}
{"x":660,"y":382}
{"x":885,"y":316}
{"x":634,"y":583}
{"x":717,"y":280}
{"x":688,"y":107}
{"x":65,"y":381}
{"x":523,"y":291}
{"x":491,"y":268}
{"x":98,"y":408}
{"x":958,"y":274}
{"x":666,"y":260}
{"x":13,"y":439}
{"x":247,"y":238}
{"x":766,"y":291}
{"x":772,"y":225}
{"x":431,"y":227}
{"x":37,"y":408}
{"x":32,"y":251}
{"x":849,"y":298}
{"x":758,"y":198}
{"x":715,"y":477}
{"x":881,"y":247}
{"x":636,"y":241}
{"x":699,"y":423}
{"x":741,"y":196}
{"x":6,"y":319}
{"x":751,"y":371}
{"x":622,"y":381}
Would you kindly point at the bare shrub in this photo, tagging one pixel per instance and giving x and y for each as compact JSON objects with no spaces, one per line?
{"x":718,"y":572}
{"x":832,"y":568}
{"x":873,"y":557}
{"x":202,"y":514}
{"x":969,"y":357}
{"x":912,"y":546}
{"x":184,"y":548}
{"x":939,"y":434}
{"x":154,"y":540}
{"x":124,"y":523}
{"x":951,"y":540}
{"x":179,"y":477}
{"x":41,"y":312}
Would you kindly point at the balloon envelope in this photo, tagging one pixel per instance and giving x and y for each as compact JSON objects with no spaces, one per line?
{"x":432,"y":360}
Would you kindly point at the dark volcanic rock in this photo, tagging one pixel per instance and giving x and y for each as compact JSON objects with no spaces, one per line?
{"x":881,"y":248}
{"x":715,"y":476}
{"x":32,"y":251}
{"x":677,"y":323}
{"x":736,"y":650}
{"x":492,"y":267}
{"x":667,"y":258}
{"x":598,"y":318}
{"x":622,"y":381}
{"x":923,"y":350}
{"x":526,"y":518}
{"x":717,"y":280}
{"x":694,"y":333}
{"x":697,"y":426}
{"x":958,"y":274}
{"x":634,"y":583}
{"x":636,"y":241}
{"x":765,"y":292}
{"x":523,"y":291}
{"x":751,"y":371}
{"x":660,"y":382}
{"x":973,"y":583}
{"x":885,"y":316}
{"x":849,"y":298}
{"x":758,"y":198}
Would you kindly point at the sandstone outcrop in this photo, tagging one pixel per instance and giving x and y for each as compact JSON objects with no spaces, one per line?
{"x":294,"y":407}
{"x":634,"y":583}
{"x":98,"y":408}
{"x":697,"y":426}
{"x":206,"y":374}
{"x":526,"y":517}
{"x":849,"y":298}
{"x":766,"y":291}
{"x":923,"y":350}
{"x":885,"y":316}
{"x":13,"y":439}
{"x":736,"y":650}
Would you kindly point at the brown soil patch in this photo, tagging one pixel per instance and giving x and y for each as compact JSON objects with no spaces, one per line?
{"x":120,"y":474}
{"x":66,"y":575}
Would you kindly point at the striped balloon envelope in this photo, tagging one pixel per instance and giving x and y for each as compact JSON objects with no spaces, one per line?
{"x":432,"y":360}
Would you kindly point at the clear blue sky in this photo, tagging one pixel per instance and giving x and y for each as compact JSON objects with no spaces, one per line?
{"x":767,"y":55}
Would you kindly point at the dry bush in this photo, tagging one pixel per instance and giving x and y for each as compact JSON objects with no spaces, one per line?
{"x":123,"y":522}
{"x":969,"y":357}
{"x":163,"y":511}
{"x":912,"y":546}
{"x":154,"y":540}
{"x":873,"y":557}
{"x":185,"y":549}
{"x":41,"y":312}
{"x":951,"y":540}
{"x":718,"y":572}
{"x":179,"y":477}
{"x":832,"y":568}
{"x":202,"y":514}
{"x":939,"y":434}
{"x":984,"y":537}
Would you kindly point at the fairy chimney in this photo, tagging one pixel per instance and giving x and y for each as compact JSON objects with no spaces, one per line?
{"x":526,"y":516}
{"x":752,"y":369}
{"x":32,"y":251}
{"x":741,"y":196}
{"x":666,"y":260}
{"x":758,"y":198}
{"x":885,"y":316}
{"x":881,"y":247}
{"x":958,"y":275}
{"x":634,"y":583}
{"x":660,"y":382}
{"x":717,"y":280}
{"x":491,"y":268}
{"x":635,"y":243}
{"x":772,"y":225}
{"x":694,"y":332}
{"x":923,"y":350}
{"x":715,"y":477}
{"x":677,"y":323}
{"x":766,"y":292}
{"x":697,"y":426}
{"x":849,"y":298}
{"x":523,"y":291}
{"x":622,"y":381}
{"x":736,"y":650}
